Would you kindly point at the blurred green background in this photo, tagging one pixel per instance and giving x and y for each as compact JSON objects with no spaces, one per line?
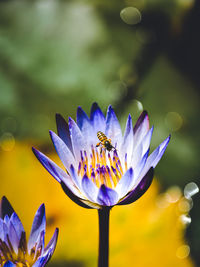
{"x":133,"y":54}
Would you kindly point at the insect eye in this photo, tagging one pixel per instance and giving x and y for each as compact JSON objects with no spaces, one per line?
{"x":106,"y":142}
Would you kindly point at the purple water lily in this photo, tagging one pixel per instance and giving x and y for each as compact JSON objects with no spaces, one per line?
{"x":95,"y":177}
{"x":15,"y":251}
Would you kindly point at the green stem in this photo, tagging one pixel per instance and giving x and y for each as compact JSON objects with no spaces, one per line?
{"x":103,"y":236}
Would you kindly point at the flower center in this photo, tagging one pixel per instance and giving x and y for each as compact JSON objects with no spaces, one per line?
{"x":21,"y":258}
{"x":102,"y":167}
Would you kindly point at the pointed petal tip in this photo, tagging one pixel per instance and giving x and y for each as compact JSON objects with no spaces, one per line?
{"x":37,"y":153}
{"x":94,"y":104}
{"x":140,"y":120}
{"x":5,"y":207}
{"x":59,"y":119}
{"x":42,"y":207}
{"x":166,"y":141}
{"x":85,"y":176}
{"x":131,"y":171}
{"x":79,"y":111}
{"x":41,"y":210}
{"x":34,"y":150}
{"x":71,"y":167}
{"x":94,"y":107}
{"x":58,"y":116}
{"x":52,"y":136}
{"x":110,"y":108}
{"x":70,"y":120}
{"x":51,"y":133}
{"x":4,"y":198}
{"x":144,"y":112}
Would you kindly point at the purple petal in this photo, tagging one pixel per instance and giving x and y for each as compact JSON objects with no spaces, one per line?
{"x":141,"y":149}
{"x":17,"y":224}
{"x":140,"y":189}
{"x":62,"y":150}
{"x":141,"y":128}
{"x":6,"y":219}
{"x":76,"y":179}
{"x":137,"y":172}
{"x":42,"y":261}
{"x":52,"y":243}
{"x":63,"y":131}
{"x":78,"y":140}
{"x":85,"y":126}
{"x":56,"y":171}
{"x":13,"y":237}
{"x":40,"y":242}
{"x":9,"y":264}
{"x":140,"y":166}
{"x":113,"y":129}
{"x":90,"y":189}
{"x":127,"y":143}
{"x":146,"y":140}
{"x":5,"y":208}
{"x":107,"y":196}
{"x":23,"y":242}
{"x":124,"y":183}
{"x":129,"y":127}
{"x":1,"y":229}
{"x":73,"y":197}
{"x":50,"y":166}
{"x":156,"y":155}
{"x":140,"y":120}
{"x":162,"y":148}
{"x":5,"y":227}
{"x":39,"y":225}
{"x":97,"y":118}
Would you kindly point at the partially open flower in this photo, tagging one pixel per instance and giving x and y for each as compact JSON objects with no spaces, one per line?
{"x":103,"y":168}
{"x":15,"y":251}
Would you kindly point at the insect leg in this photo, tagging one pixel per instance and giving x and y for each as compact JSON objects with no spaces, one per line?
{"x":98,"y":144}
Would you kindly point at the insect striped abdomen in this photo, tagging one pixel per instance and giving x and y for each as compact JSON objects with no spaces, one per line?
{"x":102,"y":137}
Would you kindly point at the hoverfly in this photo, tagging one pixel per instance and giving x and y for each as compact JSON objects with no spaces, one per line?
{"x":104,"y":141}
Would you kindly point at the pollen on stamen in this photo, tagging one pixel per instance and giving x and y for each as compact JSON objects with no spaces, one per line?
{"x":120,"y":166}
{"x":93,"y":175}
{"x":118,"y":169}
{"x":98,"y":180}
{"x":116,"y":180}
{"x":110,"y":176}
{"x":110,"y":160}
{"x":92,"y":160}
{"x":126,"y":162}
{"x":79,"y":168}
{"x":86,"y":158}
{"x":85,"y":169}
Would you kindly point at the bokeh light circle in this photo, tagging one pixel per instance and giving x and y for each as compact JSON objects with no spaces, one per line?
{"x":183,"y":252}
{"x":190,"y":190}
{"x":173,"y":121}
{"x":7,"y":141}
{"x":130,"y":15}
